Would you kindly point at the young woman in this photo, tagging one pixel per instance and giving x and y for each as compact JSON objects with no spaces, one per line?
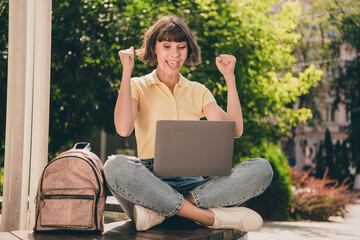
{"x":165,"y":94}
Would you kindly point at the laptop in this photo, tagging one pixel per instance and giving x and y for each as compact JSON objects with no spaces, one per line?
{"x":185,"y":148}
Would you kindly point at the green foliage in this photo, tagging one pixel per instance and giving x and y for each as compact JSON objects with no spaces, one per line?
{"x":274,"y":203}
{"x":320,"y":37}
{"x":83,"y":66}
{"x":325,"y":26}
{"x":86,"y":72}
{"x":320,"y":43}
{"x":318,"y":199}
{"x":348,"y":84}
{"x":349,"y":22}
{"x":311,"y":47}
{"x":261,"y":42}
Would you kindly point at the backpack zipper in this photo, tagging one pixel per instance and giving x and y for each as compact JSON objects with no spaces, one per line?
{"x":64,"y":196}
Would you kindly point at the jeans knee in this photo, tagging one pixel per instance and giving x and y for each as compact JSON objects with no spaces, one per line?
{"x":265,"y":170}
{"x":111,"y":164}
{"x":110,"y":167}
{"x":116,"y":167}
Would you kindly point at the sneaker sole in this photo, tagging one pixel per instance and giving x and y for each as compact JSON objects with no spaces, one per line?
{"x":136,"y":212}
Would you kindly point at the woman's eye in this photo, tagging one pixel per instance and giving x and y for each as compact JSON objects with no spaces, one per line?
{"x":166,"y":46}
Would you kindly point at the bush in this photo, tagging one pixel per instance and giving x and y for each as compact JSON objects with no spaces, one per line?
{"x":318,"y":199}
{"x":274,"y":203}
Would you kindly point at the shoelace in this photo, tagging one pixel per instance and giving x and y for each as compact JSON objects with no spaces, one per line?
{"x":229,"y":222}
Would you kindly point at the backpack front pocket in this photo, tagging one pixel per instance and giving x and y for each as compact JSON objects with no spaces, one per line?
{"x":68,"y":208}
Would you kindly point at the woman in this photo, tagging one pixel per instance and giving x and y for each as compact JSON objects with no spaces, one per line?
{"x":166,"y":94}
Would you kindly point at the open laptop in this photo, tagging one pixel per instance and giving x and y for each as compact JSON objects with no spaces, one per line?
{"x":193,"y":148}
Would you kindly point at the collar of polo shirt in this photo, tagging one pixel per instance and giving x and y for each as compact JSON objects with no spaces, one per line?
{"x":152,"y":78}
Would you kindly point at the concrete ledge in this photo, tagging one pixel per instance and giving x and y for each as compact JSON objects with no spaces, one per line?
{"x":112,"y":205}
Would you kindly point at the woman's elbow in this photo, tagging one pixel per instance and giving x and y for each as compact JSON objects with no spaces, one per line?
{"x":124,"y":132}
{"x":238,"y":133}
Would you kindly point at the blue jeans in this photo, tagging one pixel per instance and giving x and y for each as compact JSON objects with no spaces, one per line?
{"x":131,"y":181}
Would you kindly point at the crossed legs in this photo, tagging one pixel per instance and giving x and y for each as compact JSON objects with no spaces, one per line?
{"x":132,"y":183}
{"x":189,"y":210}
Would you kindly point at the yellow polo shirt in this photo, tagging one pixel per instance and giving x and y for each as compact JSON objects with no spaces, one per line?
{"x":156,"y":102}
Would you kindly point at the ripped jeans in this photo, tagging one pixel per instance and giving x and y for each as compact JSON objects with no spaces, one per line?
{"x":131,"y":182}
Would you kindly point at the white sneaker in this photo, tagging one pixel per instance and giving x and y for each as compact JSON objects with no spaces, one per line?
{"x":240,"y":218}
{"x":145,"y":218}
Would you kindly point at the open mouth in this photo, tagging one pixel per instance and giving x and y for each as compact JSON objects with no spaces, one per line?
{"x":173,"y":64}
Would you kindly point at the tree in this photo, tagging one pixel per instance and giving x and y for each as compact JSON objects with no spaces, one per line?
{"x":329,"y":158}
{"x":85,"y":73}
{"x":347,"y":86}
{"x":319,"y":43}
{"x":348,"y":91}
{"x":325,"y":26}
{"x":84,"y":64}
{"x":335,"y":159}
{"x":349,"y":23}
{"x":320,"y":162}
{"x":341,"y":162}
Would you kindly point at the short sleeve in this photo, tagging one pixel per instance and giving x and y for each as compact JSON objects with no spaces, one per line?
{"x":135,"y":91}
{"x":208,"y":97}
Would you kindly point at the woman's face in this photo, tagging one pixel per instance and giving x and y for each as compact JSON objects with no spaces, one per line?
{"x":170,"y":56}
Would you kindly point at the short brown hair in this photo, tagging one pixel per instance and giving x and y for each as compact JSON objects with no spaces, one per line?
{"x":173,"y":29}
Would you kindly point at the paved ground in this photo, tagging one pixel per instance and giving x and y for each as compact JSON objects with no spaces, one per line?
{"x":338,"y":229}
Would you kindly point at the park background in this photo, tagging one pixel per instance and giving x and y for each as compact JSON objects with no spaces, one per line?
{"x":297,"y":78}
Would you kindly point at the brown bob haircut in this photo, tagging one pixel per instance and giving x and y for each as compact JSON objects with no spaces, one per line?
{"x":172,"y":29}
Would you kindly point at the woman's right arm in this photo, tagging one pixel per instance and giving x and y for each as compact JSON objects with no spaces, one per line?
{"x":126,"y":107}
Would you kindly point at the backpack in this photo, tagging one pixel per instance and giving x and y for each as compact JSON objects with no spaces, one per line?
{"x":71,"y":192}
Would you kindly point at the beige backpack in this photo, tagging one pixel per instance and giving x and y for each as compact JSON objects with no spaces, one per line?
{"x":71,"y":192}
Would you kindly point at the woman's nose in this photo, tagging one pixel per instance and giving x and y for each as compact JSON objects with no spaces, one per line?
{"x":175,"y":53}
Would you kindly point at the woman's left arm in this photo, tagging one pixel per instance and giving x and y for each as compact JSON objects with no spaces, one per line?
{"x":226,"y":65}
